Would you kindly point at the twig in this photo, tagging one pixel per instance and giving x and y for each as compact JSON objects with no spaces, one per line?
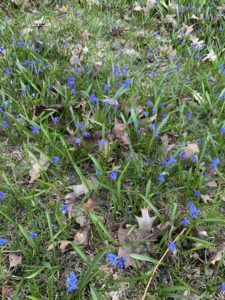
{"x":158,"y":264}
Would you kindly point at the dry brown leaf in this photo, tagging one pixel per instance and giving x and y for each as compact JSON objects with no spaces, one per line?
{"x":84,"y":235}
{"x":85,"y":35}
{"x":137,"y":7}
{"x":7,"y":292}
{"x":64,"y":246}
{"x":218,"y":255}
{"x":189,"y":29}
{"x":145,"y":222}
{"x":169,"y":19}
{"x":198,"y":97}
{"x":195,"y":41}
{"x":78,"y":190}
{"x":191,"y":295}
{"x":149,"y":5}
{"x":14,"y":260}
{"x":90,"y":205}
{"x":211,"y":184}
{"x":190,"y":150}
{"x":63,"y":9}
{"x":222,"y":8}
{"x":165,"y":143}
{"x":206,"y":198}
{"x":119,"y":132}
{"x":38,"y":166}
{"x":81,"y":220}
{"x":211,"y":56}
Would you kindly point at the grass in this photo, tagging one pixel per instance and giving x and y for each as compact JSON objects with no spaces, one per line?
{"x":162,"y":93}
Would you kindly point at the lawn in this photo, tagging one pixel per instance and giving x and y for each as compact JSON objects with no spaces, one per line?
{"x":112,"y":147}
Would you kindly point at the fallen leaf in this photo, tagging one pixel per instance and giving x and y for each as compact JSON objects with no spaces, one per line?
{"x":191,"y":295}
{"x":145,"y":222}
{"x":189,"y":29}
{"x":197,"y":97}
{"x":117,"y":31}
{"x":63,"y":9}
{"x":131,"y":52}
{"x":7,"y":292}
{"x":83,"y":236}
{"x":42,"y":107}
{"x":149,"y":5}
{"x":37,"y":166}
{"x":218,"y":255}
{"x":78,"y":190}
{"x":222,"y":8}
{"x":14,"y":260}
{"x":81,"y":220}
{"x":90,"y":205}
{"x":64,"y":246}
{"x":119,"y":133}
{"x":211,"y":56}
{"x":169,"y":19}
{"x":165,"y":143}
{"x":190,"y":150}
{"x":195,"y":41}
{"x":85,"y":35}
{"x":211,"y":184}
{"x":206,"y":198}
{"x":137,"y":7}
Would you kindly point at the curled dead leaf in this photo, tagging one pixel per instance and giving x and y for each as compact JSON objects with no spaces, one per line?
{"x":190,"y":150}
{"x":37,"y":166}
{"x":84,"y":235}
{"x":64,"y":246}
{"x":90,"y":205}
{"x":149,"y":5}
{"x":7,"y":292}
{"x":211,"y":56}
{"x":145,"y":222}
{"x":119,"y":133}
{"x":218,"y":255}
{"x":14,"y":260}
{"x":63,"y":9}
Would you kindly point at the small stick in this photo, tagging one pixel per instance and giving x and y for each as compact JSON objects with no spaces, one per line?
{"x":158,"y":264}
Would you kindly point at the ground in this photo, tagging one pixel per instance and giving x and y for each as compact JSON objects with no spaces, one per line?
{"x":112,"y":142}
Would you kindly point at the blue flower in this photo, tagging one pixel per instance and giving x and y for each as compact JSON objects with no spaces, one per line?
{"x":197,"y":193}
{"x":113,"y":175}
{"x":2,"y":195}
{"x":189,"y":114}
{"x":214,"y":163}
{"x":70,"y":81}
{"x":71,"y":283}
{"x":160,"y":178}
{"x":73,"y":91}
{"x":193,"y":210}
{"x":32,"y":235}
{"x":121,"y":262}
{"x":93,"y":99}
{"x":78,"y":140}
{"x":5,"y":124}
{"x":184,"y":222}
{"x":222,"y":130}
{"x":198,"y":56}
{"x":3,"y":242}
{"x":127,"y":83}
{"x":55,"y":120}
{"x":111,"y":259}
{"x":86,"y":134}
{"x":223,"y":287}
{"x":101,"y":142}
{"x":106,"y":88}
{"x":56,"y":159}
{"x":20,"y":44}
{"x":193,"y":159}
{"x":172,"y":247}
{"x":64,"y":208}
{"x":2,"y":49}
{"x":35,"y":129}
